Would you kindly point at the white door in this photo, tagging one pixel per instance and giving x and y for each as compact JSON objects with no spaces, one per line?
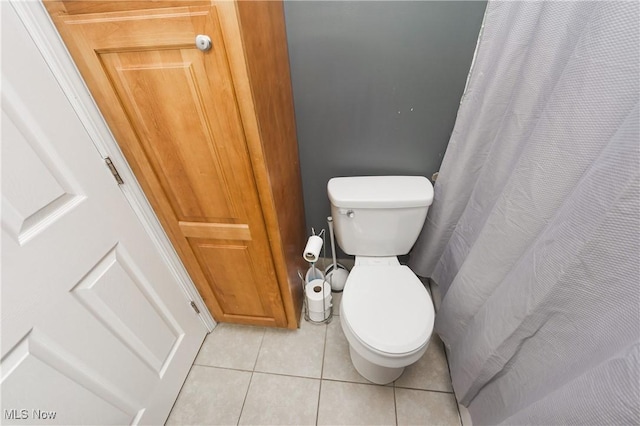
{"x":95,"y":330}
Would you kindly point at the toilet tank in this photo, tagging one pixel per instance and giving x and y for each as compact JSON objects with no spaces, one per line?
{"x":379,"y":215}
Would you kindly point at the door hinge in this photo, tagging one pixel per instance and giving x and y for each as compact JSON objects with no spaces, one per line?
{"x":195,"y":307}
{"x":114,"y":171}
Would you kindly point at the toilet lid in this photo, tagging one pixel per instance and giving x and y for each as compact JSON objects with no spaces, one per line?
{"x":388,"y":308}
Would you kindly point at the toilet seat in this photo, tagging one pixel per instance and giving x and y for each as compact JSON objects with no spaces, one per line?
{"x":388,"y":309}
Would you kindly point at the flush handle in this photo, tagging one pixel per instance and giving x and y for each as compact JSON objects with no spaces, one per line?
{"x":349,"y":213}
{"x":203,"y":42}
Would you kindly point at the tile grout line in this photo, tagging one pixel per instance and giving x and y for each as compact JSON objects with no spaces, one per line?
{"x":193,"y":364}
{"x":255,"y":363}
{"x":455,"y":398}
{"x":225,"y":368}
{"x":324,"y":351}
{"x":446,"y":357}
{"x":182,"y":387}
{"x":395,"y":402}
{"x":393,"y":386}
{"x":265,"y":372}
{"x":425,"y":390}
{"x":244,"y":401}
{"x":323,"y":378}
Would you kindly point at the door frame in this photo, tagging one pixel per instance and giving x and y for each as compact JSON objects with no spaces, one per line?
{"x":43,"y":32}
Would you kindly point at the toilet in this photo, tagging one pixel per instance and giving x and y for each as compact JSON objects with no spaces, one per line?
{"x":386,"y":313}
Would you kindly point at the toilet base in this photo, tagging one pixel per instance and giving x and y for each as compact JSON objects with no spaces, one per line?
{"x":373,"y":372}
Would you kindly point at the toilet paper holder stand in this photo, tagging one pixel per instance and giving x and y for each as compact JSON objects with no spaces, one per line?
{"x":305,"y":310}
{"x":311,"y":254}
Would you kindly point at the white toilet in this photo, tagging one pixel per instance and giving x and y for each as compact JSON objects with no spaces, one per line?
{"x":386,"y":313}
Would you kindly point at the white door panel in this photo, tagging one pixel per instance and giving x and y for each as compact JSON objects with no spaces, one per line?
{"x":94,"y":326}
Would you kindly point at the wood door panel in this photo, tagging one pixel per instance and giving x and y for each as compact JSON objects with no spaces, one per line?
{"x":75,"y":7}
{"x":173,"y":110}
{"x":240,"y":294}
{"x":137,"y":30}
{"x":216,"y":231}
{"x":178,"y":139}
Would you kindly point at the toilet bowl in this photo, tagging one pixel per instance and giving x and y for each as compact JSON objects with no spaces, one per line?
{"x":386,"y":313}
{"x":386,"y":330}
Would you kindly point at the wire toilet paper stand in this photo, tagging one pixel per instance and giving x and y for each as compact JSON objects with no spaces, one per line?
{"x":327,"y":305}
{"x":320,"y":283}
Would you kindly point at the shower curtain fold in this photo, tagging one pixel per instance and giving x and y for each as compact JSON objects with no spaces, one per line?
{"x":534,"y":234}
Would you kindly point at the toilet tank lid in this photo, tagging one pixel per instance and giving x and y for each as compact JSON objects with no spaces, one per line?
{"x":380,"y":191}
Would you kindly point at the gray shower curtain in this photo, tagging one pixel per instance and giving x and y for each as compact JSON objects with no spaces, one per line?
{"x":534,"y":234}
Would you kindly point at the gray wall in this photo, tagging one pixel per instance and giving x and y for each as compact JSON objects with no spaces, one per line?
{"x":376,"y":87}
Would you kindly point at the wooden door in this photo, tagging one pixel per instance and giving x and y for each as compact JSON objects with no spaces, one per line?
{"x":95,"y":328}
{"x":173,"y":110}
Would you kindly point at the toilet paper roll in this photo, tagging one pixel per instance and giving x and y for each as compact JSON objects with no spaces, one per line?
{"x":312,"y":250}
{"x":319,"y":316}
{"x":318,"y":294}
{"x":320,"y":306}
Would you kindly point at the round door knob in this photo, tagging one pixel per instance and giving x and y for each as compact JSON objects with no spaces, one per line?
{"x":203,"y":42}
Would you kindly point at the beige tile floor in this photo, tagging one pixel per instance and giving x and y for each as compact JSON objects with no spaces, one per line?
{"x":257,"y":376}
